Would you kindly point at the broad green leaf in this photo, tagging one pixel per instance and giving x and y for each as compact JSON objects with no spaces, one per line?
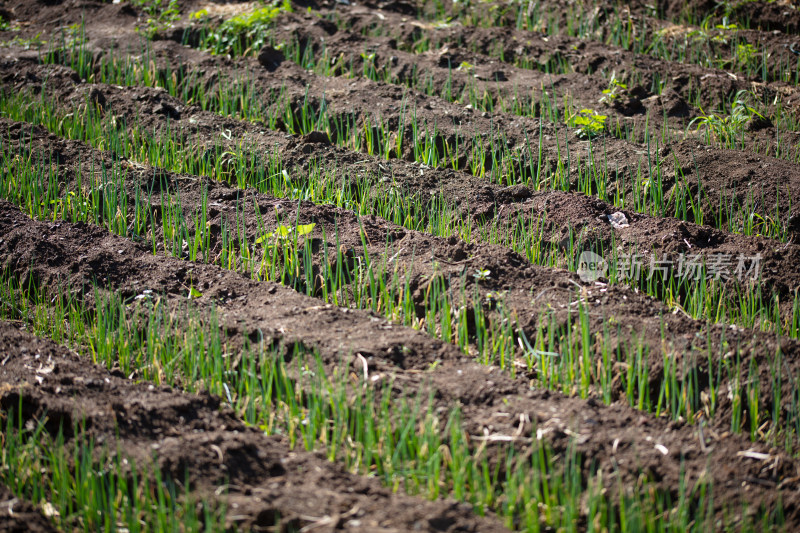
{"x":264,"y":238}
{"x":283,"y":231}
{"x":305,"y":229}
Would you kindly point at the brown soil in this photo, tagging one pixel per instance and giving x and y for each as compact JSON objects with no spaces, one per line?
{"x":756,"y":24}
{"x":638,"y":112}
{"x":480,"y":199}
{"x":418,"y":364}
{"x":778,"y":181}
{"x":445,"y":70}
{"x":668,"y":107}
{"x":19,"y":516}
{"x":640,"y":20}
{"x":76,"y":254}
{"x":780,"y":15}
{"x":360,"y":100}
{"x":424,"y":257}
{"x":203,"y":443}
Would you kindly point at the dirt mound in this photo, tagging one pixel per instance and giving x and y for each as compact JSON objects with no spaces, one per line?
{"x":196,"y":441}
{"x":336,"y":214}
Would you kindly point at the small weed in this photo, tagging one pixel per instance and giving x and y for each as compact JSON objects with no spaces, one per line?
{"x":745,"y":53}
{"x":34,"y":43}
{"x":466,"y":66}
{"x":614,"y":91}
{"x":590,"y":124}
{"x":243,"y":34}
{"x":725,"y":128}
{"x":161,"y":14}
{"x":482,"y":274}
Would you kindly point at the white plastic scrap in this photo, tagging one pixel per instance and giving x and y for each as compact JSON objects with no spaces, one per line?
{"x":618,"y":220}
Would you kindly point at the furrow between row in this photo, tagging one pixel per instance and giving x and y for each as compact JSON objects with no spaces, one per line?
{"x":196,"y":443}
{"x":491,"y":403}
{"x":538,"y":321}
{"x":547,"y":227}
